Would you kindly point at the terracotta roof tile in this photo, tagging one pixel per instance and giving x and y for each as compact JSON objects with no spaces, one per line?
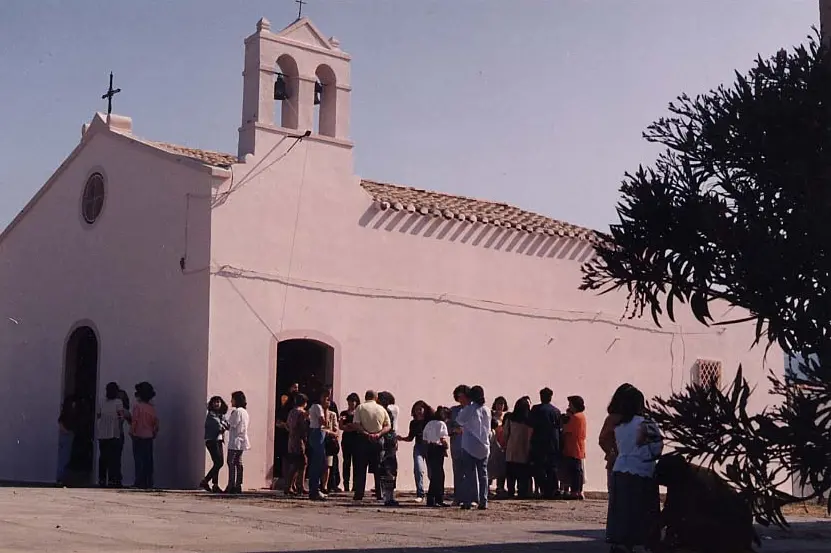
{"x":207,"y":157}
{"x":461,"y":208}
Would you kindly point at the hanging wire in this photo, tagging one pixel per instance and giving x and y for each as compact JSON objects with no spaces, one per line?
{"x":294,"y":234}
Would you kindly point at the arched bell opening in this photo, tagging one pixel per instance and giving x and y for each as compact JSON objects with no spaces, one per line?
{"x":325,"y":101}
{"x":286,"y":91}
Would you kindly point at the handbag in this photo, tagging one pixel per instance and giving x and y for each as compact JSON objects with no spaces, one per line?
{"x":331,"y":445}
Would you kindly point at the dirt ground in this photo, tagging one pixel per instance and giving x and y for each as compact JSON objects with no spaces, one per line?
{"x":812,"y":509}
{"x":590,"y":512}
{"x":124,"y":521}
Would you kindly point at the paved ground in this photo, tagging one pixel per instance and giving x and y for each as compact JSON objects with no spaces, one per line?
{"x":66,"y":520}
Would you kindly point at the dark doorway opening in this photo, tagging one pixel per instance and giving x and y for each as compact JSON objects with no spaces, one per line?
{"x":80,"y":390}
{"x":310,"y":365}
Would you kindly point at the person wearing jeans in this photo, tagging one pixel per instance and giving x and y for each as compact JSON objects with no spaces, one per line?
{"x":349,"y":438}
{"x":216,"y":424}
{"x":238,"y":441}
{"x":144,"y":427}
{"x":143,"y":461}
{"x":460,"y":396}
{"x":421,"y":413}
{"x":317,"y":451}
{"x":420,"y":469}
{"x":475,"y":423}
{"x":476,"y":480}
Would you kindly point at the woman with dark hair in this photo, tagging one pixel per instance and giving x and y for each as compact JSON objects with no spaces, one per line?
{"x":496,"y":459}
{"x":574,"y":447}
{"x":144,"y":427}
{"x":499,"y":408}
{"x":437,"y":440}
{"x":607,"y":431}
{"x":421,"y":413}
{"x":281,"y":440}
{"x":331,"y":445}
{"x":349,"y":437}
{"x":238,"y":441}
{"x":475,"y":420}
{"x":634,"y":503}
{"x":298,"y":427}
{"x":389,"y":403}
{"x":534,"y":480}
{"x":332,"y":477}
{"x":518,"y":432}
{"x":110,"y":415}
{"x":216,"y":424}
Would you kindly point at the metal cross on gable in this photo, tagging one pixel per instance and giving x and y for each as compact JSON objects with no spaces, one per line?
{"x":109,"y":95}
{"x":300,"y":4}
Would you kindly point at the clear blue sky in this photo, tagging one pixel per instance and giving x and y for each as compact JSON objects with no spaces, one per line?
{"x":540,"y":103}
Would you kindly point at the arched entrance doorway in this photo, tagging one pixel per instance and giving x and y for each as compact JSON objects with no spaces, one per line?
{"x":80,"y":387}
{"x":307,"y":363}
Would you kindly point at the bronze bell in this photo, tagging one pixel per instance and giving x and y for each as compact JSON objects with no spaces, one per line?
{"x":318,"y":92}
{"x":281,"y":89}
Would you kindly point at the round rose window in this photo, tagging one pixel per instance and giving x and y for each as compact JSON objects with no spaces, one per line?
{"x":93,"y":200}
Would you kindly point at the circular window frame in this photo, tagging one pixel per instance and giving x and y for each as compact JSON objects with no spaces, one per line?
{"x":91,"y":215}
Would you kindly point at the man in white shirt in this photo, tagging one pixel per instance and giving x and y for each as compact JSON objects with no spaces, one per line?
{"x":475,"y":420}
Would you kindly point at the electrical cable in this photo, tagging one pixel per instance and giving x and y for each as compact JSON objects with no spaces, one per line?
{"x":525,"y":311}
{"x":294,"y":233}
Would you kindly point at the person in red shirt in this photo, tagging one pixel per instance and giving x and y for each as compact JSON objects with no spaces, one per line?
{"x":144,"y":427}
{"x":574,"y":447}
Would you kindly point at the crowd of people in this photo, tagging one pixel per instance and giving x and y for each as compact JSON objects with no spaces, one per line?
{"x":513,"y":449}
{"x":529,"y":451}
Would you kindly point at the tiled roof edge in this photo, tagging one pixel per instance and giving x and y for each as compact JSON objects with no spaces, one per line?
{"x":463,"y":208}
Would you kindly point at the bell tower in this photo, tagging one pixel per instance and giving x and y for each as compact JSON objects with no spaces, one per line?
{"x":294,"y":81}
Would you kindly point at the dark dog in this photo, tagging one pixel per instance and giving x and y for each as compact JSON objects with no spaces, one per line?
{"x":702,"y":512}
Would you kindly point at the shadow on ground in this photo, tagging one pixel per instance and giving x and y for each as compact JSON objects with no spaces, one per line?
{"x":808,"y":530}
{"x":553,"y":547}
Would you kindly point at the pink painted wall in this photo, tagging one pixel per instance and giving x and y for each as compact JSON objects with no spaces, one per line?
{"x":418,"y":315}
{"x":121,"y":274}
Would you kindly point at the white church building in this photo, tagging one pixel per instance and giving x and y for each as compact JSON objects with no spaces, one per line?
{"x":205,"y":273}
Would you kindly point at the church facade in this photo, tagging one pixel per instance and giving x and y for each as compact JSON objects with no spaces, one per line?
{"x":205,"y":273}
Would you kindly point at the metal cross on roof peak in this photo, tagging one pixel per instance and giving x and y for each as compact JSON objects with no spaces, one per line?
{"x":300,"y":4}
{"x":109,"y":95}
